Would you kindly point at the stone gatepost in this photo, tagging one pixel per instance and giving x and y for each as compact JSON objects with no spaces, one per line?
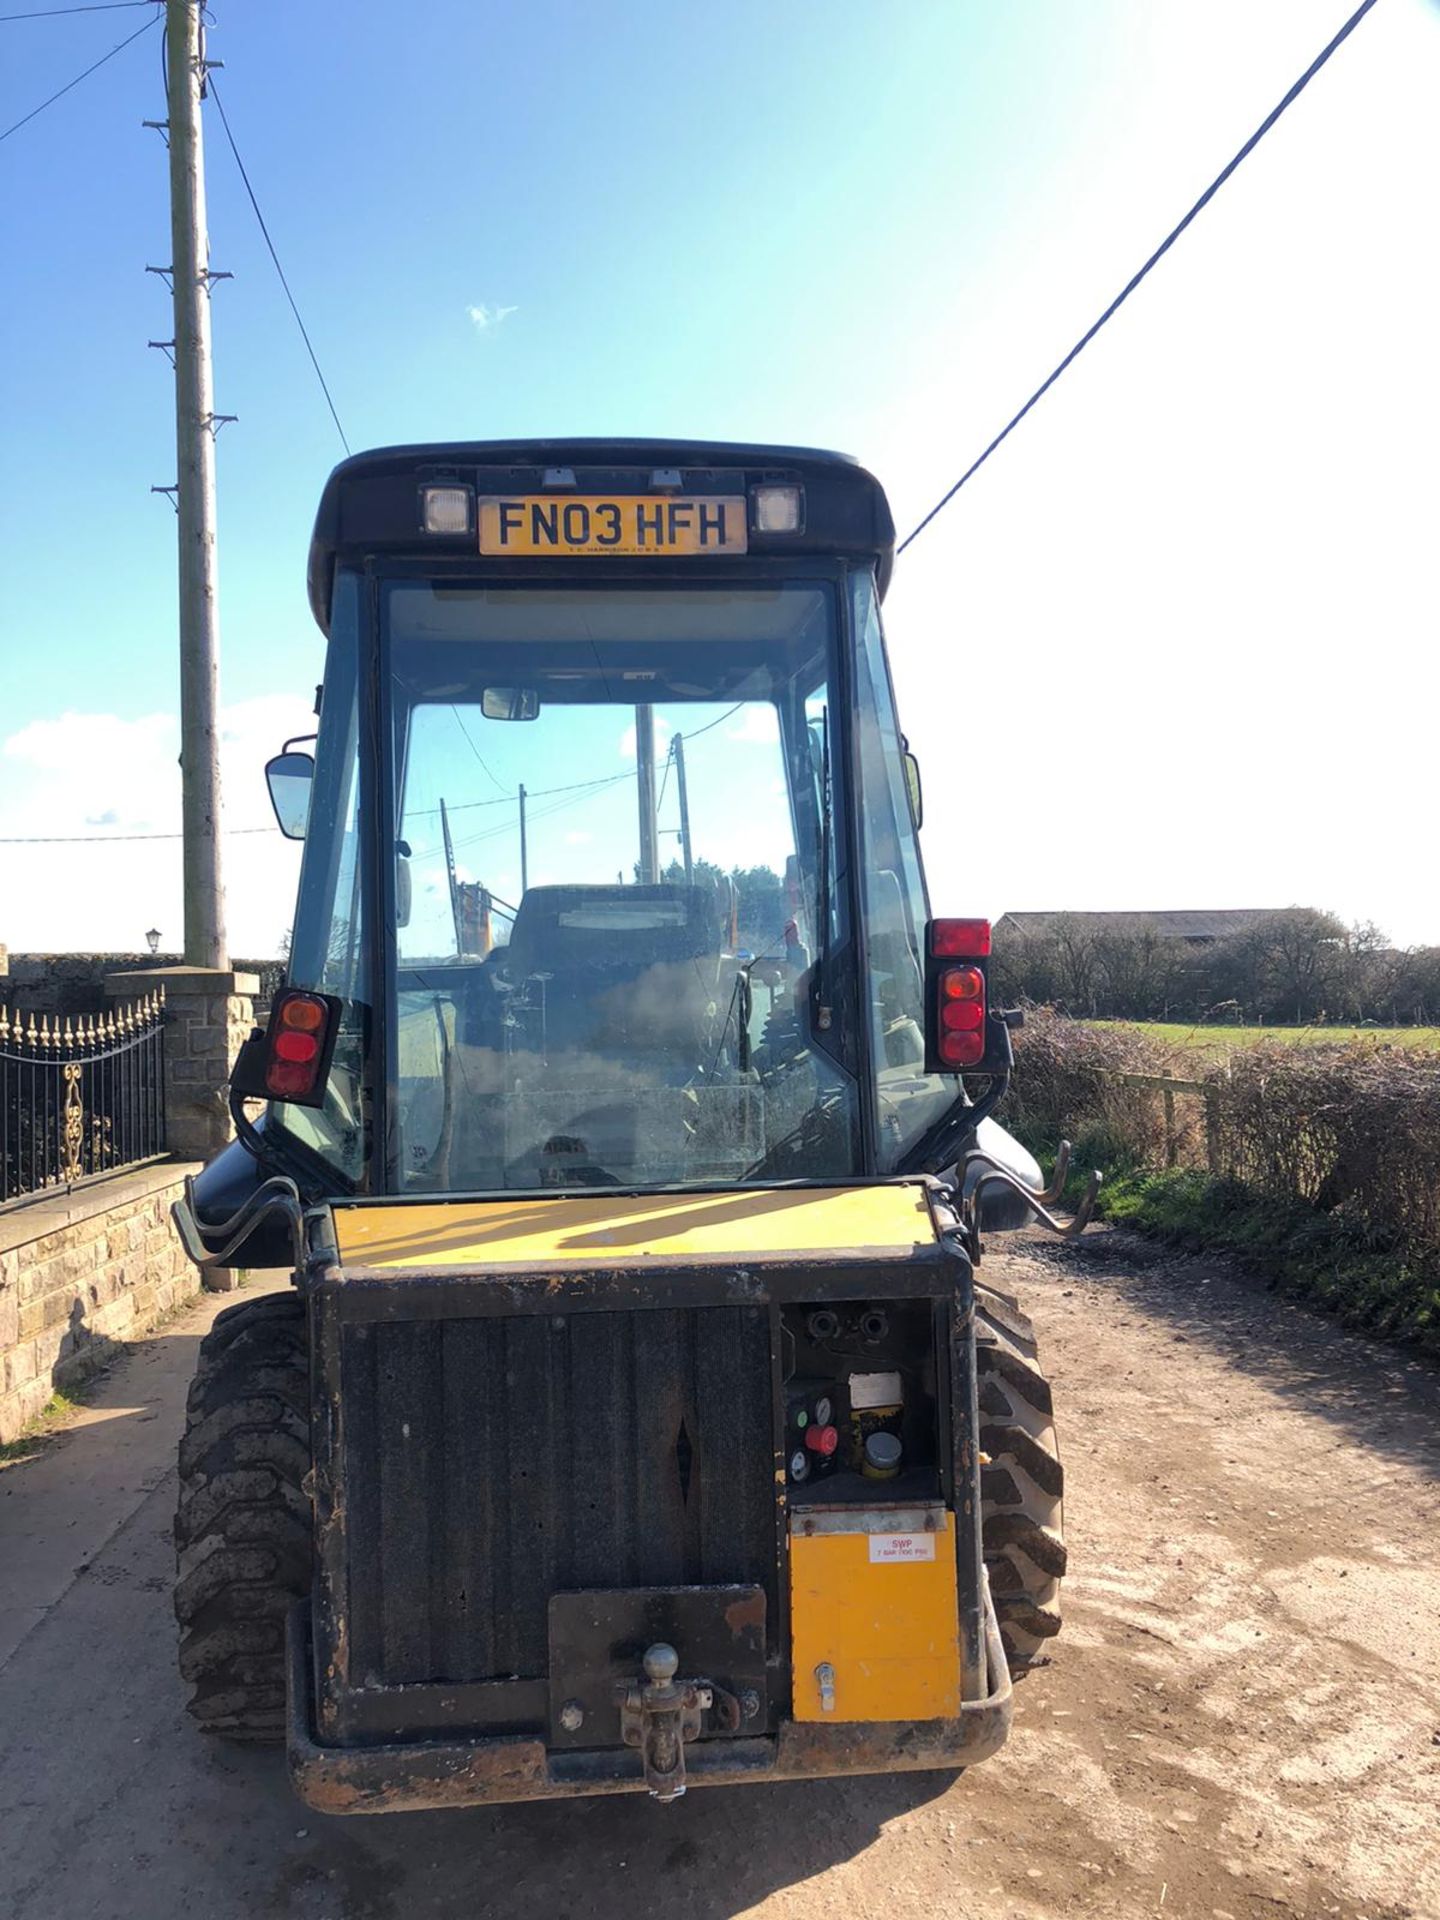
{"x":209,"y":1012}
{"x":208,"y":1016}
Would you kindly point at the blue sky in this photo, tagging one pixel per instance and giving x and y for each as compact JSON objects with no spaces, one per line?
{"x":1180,"y":633}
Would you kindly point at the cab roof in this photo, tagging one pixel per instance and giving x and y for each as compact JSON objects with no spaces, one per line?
{"x":369,"y":505}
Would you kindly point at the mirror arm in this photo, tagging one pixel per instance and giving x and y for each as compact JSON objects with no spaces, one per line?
{"x":940,"y":1147}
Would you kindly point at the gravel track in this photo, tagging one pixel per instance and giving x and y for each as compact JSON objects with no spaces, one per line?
{"x":1241,"y":1720}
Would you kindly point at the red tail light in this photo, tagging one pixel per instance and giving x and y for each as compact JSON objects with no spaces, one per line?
{"x":957,"y":1034}
{"x":298,"y":1045}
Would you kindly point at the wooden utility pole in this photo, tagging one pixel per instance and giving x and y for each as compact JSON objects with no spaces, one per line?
{"x":205,"y":943}
{"x":677,"y":747}
{"x":524,"y":850}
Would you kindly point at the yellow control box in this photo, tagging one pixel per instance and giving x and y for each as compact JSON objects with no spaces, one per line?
{"x":874,"y":1615}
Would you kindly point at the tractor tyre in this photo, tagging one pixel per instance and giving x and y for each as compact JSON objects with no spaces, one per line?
{"x":243,"y":1527}
{"x":1022,"y":1481}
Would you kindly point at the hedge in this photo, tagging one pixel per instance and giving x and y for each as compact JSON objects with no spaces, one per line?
{"x":1321,"y":1166}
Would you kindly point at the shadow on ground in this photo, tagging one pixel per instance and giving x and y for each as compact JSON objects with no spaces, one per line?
{"x":718,"y":1852}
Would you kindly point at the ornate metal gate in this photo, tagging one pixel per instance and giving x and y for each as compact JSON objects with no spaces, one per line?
{"x":79,"y":1096}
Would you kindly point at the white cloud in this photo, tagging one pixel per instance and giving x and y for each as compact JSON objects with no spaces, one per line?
{"x":580,"y":838}
{"x":485,"y":319}
{"x":757,"y":725}
{"x":74,"y":784}
{"x":663,"y":730}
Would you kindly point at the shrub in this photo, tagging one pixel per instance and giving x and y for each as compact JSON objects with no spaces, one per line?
{"x":1319,"y":1165}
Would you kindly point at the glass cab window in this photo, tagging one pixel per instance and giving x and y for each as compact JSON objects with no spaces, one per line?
{"x":908,"y":1100}
{"x":328,"y":950}
{"x":612,"y":833}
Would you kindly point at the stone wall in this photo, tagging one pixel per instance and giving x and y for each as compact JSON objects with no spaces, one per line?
{"x":75,"y":982}
{"x":79,"y":1276}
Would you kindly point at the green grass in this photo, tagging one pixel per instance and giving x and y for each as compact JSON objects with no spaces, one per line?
{"x":1216,"y":1043}
{"x":1309,"y":1255}
{"x":33,"y":1435}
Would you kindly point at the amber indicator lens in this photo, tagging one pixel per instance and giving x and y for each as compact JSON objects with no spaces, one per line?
{"x":962,"y":983}
{"x":300,"y":1010}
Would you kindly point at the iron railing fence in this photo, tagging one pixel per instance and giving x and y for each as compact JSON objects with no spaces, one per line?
{"x":80,"y":1096}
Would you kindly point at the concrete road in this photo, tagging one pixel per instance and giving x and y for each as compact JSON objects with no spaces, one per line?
{"x":1242,"y":1718}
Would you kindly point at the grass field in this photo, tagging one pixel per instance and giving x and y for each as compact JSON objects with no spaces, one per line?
{"x":1214,"y":1043}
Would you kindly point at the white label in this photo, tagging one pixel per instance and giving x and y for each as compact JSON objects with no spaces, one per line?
{"x":902,"y":1546}
{"x":869,"y":1390}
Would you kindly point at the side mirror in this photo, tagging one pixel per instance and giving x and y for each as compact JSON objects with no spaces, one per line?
{"x":404,"y":892}
{"x":510,"y":703}
{"x":288,"y":777}
{"x":912,"y":789}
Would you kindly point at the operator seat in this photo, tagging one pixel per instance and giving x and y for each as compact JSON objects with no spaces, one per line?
{"x":616,"y":971}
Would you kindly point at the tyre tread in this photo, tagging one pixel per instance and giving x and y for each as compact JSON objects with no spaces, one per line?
{"x":242,"y":1525}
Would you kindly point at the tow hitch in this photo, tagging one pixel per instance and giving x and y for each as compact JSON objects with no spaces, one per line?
{"x":659,"y":1716}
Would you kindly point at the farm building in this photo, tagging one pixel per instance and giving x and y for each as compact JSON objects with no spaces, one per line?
{"x":1197,"y":927}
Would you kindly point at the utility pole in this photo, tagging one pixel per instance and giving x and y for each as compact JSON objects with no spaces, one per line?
{"x":205,"y":943}
{"x":677,"y":746}
{"x":456,"y":918}
{"x":524,"y":850}
{"x":645,"y":768}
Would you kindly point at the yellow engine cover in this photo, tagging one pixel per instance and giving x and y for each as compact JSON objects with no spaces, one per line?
{"x":880,"y":1609}
{"x":889,"y":1221}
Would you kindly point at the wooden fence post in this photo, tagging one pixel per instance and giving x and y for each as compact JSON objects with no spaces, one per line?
{"x":1212,"y":1131}
{"x":1168,"y":1096}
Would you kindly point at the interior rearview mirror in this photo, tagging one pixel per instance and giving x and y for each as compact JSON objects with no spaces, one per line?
{"x":510,"y":703}
{"x":912,"y":789}
{"x":288,"y":777}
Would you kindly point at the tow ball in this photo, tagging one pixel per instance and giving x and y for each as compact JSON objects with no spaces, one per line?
{"x":661,"y":1714}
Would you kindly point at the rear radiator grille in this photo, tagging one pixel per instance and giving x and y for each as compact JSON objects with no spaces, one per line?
{"x":489,"y":1463}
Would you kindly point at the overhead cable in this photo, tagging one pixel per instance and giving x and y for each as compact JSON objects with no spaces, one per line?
{"x":1165,"y":245}
{"x":484,"y":763}
{"x":270,"y":244}
{"x":108,"y":839}
{"x":56,"y":13}
{"x":153,"y":21}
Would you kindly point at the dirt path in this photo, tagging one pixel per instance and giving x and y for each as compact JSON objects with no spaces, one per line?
{"x":1242,"y":1721}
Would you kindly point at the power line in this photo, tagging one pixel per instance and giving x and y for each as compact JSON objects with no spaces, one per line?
{"x":484,"y":763}
{"x":154,"y":21}
{"x":215,"y":95}
{"x":55,"y":13}
{"x":714,"y":723}
{"x":1165,"y":245}
{"x":537,"y":814}
{"x":531,"y":793}
{"x":109,"y":839}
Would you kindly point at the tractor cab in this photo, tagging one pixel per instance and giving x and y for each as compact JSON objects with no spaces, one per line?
{"x":611,"y":861}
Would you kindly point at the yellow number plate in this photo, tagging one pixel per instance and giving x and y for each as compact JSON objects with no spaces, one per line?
{"x":530,"y":526}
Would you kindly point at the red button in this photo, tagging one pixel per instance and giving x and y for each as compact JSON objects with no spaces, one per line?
{"x":823,"y":1440}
